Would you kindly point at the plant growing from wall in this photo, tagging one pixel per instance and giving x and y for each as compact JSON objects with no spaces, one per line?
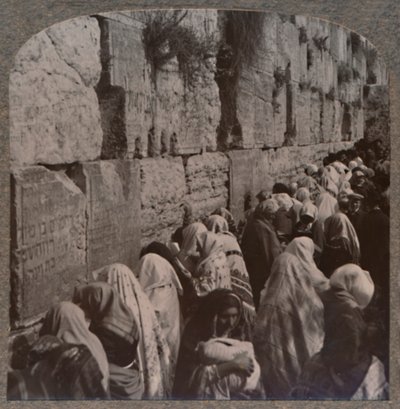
{"x":304,"y":85}
{"x":315,"y":89}
{"x":355,"y":41}
{"x":331,"y":95}
{"x":279,"y":77}
{"x":356,"y":74}
{"x":371,"y":57}
{"x":320,"y":42}
{"x":310,"y":57}
{"x":344,"y":73}
{"x":164,"y":38}
{"x":357,"y":103}
{"x":303,"y":38}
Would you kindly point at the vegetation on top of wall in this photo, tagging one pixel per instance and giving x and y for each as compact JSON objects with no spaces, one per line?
{"x":164,"y":38}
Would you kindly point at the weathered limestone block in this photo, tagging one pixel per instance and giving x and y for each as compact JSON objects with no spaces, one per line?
{"x":303,"y":117}
{"x":54,"y":111}
{"x":319,"y":43}
{"x":328,"y":117}
{"x":315,"y":120}
{"x":163,"y":190}
{"x":188,"y":116}
{"x":337,"y":121}
{"x":338,"y":44}
{"x":112,"y":190}
{"x":254,"y":108}
{"x":131,"y":71}
{"x":265,"y":62}
{"x":207,"y":178}
{"x":166,"y":110}
{"x":280,"y":118}
{"x":291,"y":47}
{"x":48,"y":241}
{"x":245,"y":179}
{"x":376,"y":113}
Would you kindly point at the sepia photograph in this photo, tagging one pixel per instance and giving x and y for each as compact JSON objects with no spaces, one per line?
{"x":199,"y":209}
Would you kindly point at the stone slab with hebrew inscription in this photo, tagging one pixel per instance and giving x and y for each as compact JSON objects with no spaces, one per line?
{"x":48,"y":240}
{"x":113,"y":192}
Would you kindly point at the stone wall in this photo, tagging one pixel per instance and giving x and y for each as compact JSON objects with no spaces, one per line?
{"x":106,"y":144}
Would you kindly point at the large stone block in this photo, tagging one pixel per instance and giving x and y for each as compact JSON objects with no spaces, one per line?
{"x":246,"y":179}
{"x":54,"y":111}
{"x":328,"y":117}
{"x":113,"y":211}
{"x":315,"y":119}
{"x":254,"y":108}
{"x":48,"y":241}
{"x":207,"y":179}
{"x":303,"y":117}
{"x":163,"y":190}
{"x":167,"y":110}
{"x":131,"y":72}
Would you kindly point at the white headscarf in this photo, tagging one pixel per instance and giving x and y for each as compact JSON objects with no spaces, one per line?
{"x":355,"y":281}
{"x":303,"y":248}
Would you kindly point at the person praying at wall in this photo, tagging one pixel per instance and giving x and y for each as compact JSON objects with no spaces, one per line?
{"x":203,"y":261}
{"x":309,"y":226}
{"x":344,"y":368}
{"x":283,"y":221}
{"x":289,"y":323}
{"x":216,"y":359}
{"x":161,"y":284}
{"x":327,"y":206}
{"x":115,"y":326}
{"x":227,"y":215}
{"x":341,"y":243}
{"x":239,"y":275}
{"x":151,"y":349}
{"x":67,"y":322}
{"x":356,"y":214}
{"x":260,"y":245}
{"x":57,"y":370}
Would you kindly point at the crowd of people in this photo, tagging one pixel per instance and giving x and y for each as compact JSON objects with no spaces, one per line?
{"x":291,"y":302}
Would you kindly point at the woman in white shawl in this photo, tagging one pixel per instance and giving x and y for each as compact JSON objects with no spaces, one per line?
{"x":203,"y":262}
{"x":303,"y":248}
{"x":289,"y":325}
{"x":239,"y":275}
{"x":327,"y":206}
{"x":153,"y":350}
{"x":161,"y":284}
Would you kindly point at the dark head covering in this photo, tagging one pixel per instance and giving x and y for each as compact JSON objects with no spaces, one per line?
{"x":202,"y":325}
{"x":107,"y":310}
{"x":161,"y":249}
{"x":280,"y":188}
